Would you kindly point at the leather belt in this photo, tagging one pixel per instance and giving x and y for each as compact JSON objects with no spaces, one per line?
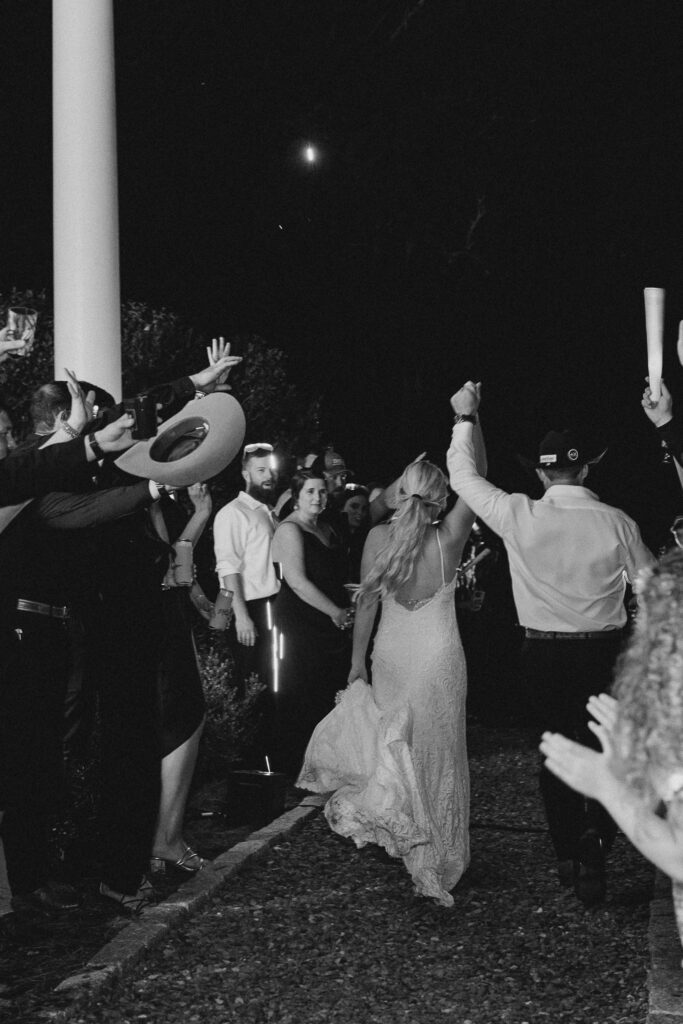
{"x":542,"y":634}
{"x":43,"y":609}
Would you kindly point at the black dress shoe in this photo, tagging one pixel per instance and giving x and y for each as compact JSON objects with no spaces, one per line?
{"x":590,"y":884}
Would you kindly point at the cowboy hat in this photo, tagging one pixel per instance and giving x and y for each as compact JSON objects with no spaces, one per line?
{"x":194,"y":445}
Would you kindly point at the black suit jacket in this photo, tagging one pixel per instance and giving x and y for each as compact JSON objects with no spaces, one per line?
{"x":34,"y":473}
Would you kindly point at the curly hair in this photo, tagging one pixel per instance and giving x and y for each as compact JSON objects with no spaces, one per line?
{"x":422,"y":491}
{"x":648,"y":735}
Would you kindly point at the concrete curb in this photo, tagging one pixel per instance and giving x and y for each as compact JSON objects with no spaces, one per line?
{"x":665,"y":977}
{"x":154,"y":924}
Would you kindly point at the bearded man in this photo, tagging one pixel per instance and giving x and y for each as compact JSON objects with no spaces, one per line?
{"x":243,"y":533}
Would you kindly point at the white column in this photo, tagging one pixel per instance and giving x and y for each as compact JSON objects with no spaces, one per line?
{"x":86,"y":231}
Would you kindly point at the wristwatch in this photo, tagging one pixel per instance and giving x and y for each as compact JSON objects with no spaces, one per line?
{"x":94,"y":446}
{"x":465,"y":417}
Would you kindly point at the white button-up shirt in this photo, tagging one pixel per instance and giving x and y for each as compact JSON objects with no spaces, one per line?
{"x":570,"y":554}
{"x":243,"y":534}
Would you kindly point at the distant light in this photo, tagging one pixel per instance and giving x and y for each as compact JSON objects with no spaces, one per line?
{"x":310,"y":154}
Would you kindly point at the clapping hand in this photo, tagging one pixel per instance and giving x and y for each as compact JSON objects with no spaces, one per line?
{"x":603,"y":709}
{"x":81,"y":404}
{"x":583,"y":769}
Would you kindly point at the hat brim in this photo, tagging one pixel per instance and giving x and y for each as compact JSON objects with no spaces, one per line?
{"x":221,"y":418}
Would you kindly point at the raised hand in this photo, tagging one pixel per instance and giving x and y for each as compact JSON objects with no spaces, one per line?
{"x":465,"y":402}
{"x":603,"y":709}
{"x":213,"y":378}
{"x":585,"y":770}
{"x":659,"y":412}
{"x":81,"y":404}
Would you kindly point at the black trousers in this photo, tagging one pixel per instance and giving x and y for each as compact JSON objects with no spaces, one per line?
{"x":130,"y":750}
{"x":33,"y":673}
{"x":257,"y":659}
{"x":560,"y":676}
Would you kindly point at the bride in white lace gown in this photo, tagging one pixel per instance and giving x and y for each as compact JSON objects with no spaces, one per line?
{"x":394,"y":754}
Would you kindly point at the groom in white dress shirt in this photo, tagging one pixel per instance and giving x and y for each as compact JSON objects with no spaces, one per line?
{"x":570,"y":558}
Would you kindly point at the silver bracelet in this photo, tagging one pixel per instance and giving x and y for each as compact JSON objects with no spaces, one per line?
{"x":68,"y":429}
{"x":199,"y":394}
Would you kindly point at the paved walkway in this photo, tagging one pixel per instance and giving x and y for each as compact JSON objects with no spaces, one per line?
{"x":310,"y":929}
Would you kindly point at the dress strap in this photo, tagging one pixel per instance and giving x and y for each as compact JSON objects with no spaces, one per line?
{"x":443,"y":571}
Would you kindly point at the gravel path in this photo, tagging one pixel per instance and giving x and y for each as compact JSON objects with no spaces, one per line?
{"x":322,"y":932}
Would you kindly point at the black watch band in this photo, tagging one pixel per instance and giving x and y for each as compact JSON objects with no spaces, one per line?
{"x":95,"y":448}
{"x":465,"y":417}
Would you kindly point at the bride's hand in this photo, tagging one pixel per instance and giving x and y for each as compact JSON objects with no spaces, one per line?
{"x":358,"y":672}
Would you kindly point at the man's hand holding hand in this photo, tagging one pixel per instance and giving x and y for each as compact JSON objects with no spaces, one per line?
{"x":466,"y":401}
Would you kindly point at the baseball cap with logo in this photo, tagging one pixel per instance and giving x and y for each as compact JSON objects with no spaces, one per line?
{"x":330,"y":463}
{"x":333,"y":462}
{"x":562,"y":449}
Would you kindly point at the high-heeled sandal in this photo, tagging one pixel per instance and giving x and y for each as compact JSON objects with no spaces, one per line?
{"x":190,"y":862}
{"x":134,"y":904}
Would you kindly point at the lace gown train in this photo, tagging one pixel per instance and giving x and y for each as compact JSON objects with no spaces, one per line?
{"x":395,"y":753}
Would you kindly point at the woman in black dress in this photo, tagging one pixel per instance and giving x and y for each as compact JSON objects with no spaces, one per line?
{"x":313,"y":618}
{"x":179,"y":689}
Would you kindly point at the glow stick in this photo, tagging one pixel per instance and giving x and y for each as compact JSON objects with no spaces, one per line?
{"x":654,"y":328}
{"x":268,"y":771}
{"x":680,"y":343}
{"x":275,"y":661}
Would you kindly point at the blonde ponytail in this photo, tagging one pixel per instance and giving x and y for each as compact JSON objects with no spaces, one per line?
{"x":422,"y":491}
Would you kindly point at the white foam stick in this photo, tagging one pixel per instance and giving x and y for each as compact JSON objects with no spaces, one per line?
{"x":654,"y":328}
{"x":680,"y":343}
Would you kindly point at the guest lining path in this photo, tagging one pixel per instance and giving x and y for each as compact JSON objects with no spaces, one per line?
{"x":319,"y":931}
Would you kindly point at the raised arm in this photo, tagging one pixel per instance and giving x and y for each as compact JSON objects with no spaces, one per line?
{"x":456,"y":526}
{"x":288,"y":550}
{"x":660,"y":414}
{"x":34,"y":473}
{"x":67,"y":511}
{"x":201,"y":500}
{"x":490,"y":503}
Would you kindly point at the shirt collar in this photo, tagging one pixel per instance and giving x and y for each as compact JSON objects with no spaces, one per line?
{"x":253,"y":503}
{"x":569,"y":491}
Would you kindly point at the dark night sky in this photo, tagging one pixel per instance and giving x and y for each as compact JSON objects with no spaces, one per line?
{"x":560,"y":123}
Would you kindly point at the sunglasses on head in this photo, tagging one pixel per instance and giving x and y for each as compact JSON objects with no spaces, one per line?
{"x":261,"y":446}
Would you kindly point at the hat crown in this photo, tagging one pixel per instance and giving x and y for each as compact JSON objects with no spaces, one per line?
{"x":194,"y":445}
